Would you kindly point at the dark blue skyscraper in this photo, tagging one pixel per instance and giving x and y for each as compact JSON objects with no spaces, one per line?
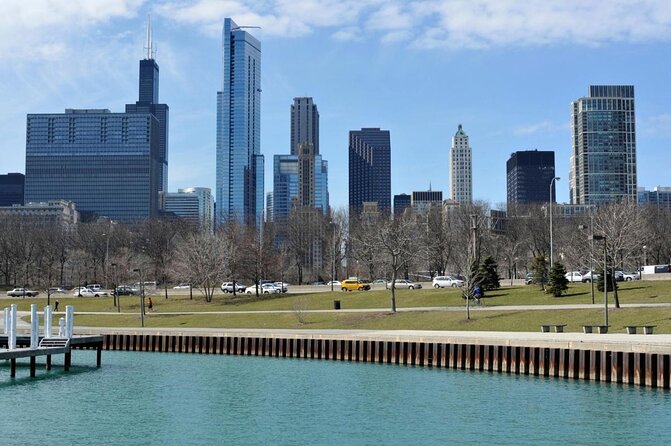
{"x":529,"y":174}
{"x":369,"y":169}
{"x":106,"y":163}
{"x":148,"y":103}
{"x":11,"y":189}
{"x":239,"y":169}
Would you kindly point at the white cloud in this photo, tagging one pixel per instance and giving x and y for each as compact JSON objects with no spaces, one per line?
{"x":541,"y":127}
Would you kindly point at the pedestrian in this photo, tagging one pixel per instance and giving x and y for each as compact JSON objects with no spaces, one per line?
{"x":56,"y":306}
{"x":150,"y":304}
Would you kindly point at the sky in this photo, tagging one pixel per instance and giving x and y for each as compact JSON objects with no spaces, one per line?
{"x":507,"y":70}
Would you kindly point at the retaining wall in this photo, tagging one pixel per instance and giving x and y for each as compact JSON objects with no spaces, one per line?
{"x":626,"y":367}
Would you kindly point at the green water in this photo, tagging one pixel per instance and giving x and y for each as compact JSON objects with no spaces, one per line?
{"x":184,"y":399}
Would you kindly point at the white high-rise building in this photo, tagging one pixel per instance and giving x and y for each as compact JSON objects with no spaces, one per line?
{"x":193,"y":204}
{"x":461,"y":176}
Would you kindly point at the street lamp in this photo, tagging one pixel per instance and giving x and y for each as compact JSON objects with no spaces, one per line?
{"x":334,"y":254}
{"x":552,"y":182}
{"x":605,"y":277}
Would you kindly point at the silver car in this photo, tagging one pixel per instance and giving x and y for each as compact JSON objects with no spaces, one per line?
{"x":406,"y":284}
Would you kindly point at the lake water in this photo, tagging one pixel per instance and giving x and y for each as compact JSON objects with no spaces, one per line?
{"x":184,"y":399}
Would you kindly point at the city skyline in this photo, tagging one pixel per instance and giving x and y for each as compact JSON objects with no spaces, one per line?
{"x":511,"y":93}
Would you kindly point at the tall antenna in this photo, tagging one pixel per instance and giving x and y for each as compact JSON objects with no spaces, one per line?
{"x":148,"y":47}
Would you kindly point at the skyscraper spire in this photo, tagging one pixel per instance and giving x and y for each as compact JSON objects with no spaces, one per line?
{"x":148,"y":47}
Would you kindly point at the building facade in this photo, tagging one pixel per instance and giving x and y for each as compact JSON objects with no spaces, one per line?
{"x":603,"y":158}
{"x":239,"y":163}
{"x":461,"y":173}
{"x":422,"y":201}
{"x":529,"y":175}
{"x":60,"y":212}
{"x":108,"y":164}
{"x":148,"y":102}
{"x":194,"y":205}
{"x":304,"y":124}
{"x":292,"y":186}
{"x":659,"y":197}
{"x":369,"y":169}
{"x":11,"y":189}
{"x":401,"y":203}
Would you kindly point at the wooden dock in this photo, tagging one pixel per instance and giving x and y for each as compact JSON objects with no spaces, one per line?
{"x":48,"y":348}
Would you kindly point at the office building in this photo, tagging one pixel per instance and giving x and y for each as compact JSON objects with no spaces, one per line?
{"x":293,"y":187}
{"x":401,"y":203}
{"x":422,"y":201}
{"x":11,"y":189}
{"x":659,"y":197}
{"x":269,"y":206}
{"x":148,"y":102}
{"x":239,"y":163}
{"x":603,"y":158}
{"x":194,"y":205}
{"x":61,"y":212}
{"x":304,"y":124}
{"x":106,"y":163}
{"x":529,"y":175}
{"x":369,"y":169}
{"x":461,"y":174}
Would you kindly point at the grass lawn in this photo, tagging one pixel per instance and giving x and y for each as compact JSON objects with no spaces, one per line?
{"x":630,"y":292}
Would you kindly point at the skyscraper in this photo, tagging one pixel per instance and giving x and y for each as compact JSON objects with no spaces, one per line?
{"x":304,"y":124}
{"x":239,"y":193}
{"x":603,"y":158}
{"x":148,"y":103}
{"x":11,"y":189}
{"x":461,"y":176}
{"x":106,"y":163}
{"x":369,"y":169}
{"x":401,"y":203}
{"x":529,"y":174}
{"x":194,"y":205}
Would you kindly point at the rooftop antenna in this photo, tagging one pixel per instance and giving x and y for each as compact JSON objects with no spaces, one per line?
{"x":150,"y":54}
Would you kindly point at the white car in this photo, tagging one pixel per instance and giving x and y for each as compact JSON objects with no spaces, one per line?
{"x":227,"y":287}
{"x":631,"y":276}
{"x":266,"y":288}
{"x":333,"y":282}
{"x":85,"y":292}
{"x":182,"y":286}
{"x":573,"y":276}
{"x":589,"y":276}
{"x":405,"y":284}
{"x":446,"y":281}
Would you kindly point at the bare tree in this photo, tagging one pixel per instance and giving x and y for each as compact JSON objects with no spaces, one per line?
{"x":202,"y":259}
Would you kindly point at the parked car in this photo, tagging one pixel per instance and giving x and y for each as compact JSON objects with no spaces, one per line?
{"x":632,"y":276}
{"x":266,"y":288}
{"x":354,"y":285}
{"x":379,"y":282}
{"x":86,"y":292}
{"x":619,"y":276}
{"x":182,"y":286}
{"x":55,"y":290}
{"x":282,"y":286}
{"x":126,"y":290}
{"x":94,"y":287}
{"x":405,"y":284}
{"x":573,"y":276}
{"x":227,"y":287}
{"x":22,"y":292}
{"x":589,"y":276}
{"x":333,"y":282}
{"x":446,"y":281}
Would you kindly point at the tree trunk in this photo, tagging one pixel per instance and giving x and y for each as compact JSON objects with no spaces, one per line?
{"x":393,"y":291}
{"x":616,"y":298}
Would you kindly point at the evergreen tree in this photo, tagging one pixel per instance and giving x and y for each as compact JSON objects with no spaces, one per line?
{"x":489,"y":275}
{"x":609,"y":278}
{"x":557,"y":281}
{"x":539,"y":268}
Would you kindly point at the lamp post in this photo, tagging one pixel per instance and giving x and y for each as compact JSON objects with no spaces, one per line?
{"x":333,"y":258}
{"x":605,"y":278}
{"x":552,"y":182}
{"x":139,"y":270}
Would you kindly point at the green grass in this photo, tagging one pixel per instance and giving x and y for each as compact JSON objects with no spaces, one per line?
{"x":630,"y":292}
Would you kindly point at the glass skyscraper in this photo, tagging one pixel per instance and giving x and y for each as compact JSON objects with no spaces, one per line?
{"x":148,"y":103}
{"x":239,"y":176}
{"x":369,"y":169}
{"x":304,"y":124}
{"x":529,"y":174}
{"x":603,"y":159}
{"x":286,"y":189}
{"x":11,"y":189}
{"x":108,"y":164}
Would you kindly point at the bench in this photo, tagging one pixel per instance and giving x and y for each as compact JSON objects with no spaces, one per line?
{"x":647,"y":329}
{"x":590,"y":328}
{"x":559,"y":328}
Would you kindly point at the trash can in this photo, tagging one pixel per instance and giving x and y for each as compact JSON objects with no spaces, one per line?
{"x":336,"y":305}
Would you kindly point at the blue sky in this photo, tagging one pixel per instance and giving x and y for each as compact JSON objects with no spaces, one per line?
{"x":505,"y":69}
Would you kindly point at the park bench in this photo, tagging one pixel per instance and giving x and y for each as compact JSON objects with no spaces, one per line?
{"x":590,"y":328}
{"x":647,"y":329}
{"x":559,"y":328}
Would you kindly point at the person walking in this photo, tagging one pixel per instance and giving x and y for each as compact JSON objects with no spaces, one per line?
{"x":150,"y":304}
{"x":56,"y":306}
